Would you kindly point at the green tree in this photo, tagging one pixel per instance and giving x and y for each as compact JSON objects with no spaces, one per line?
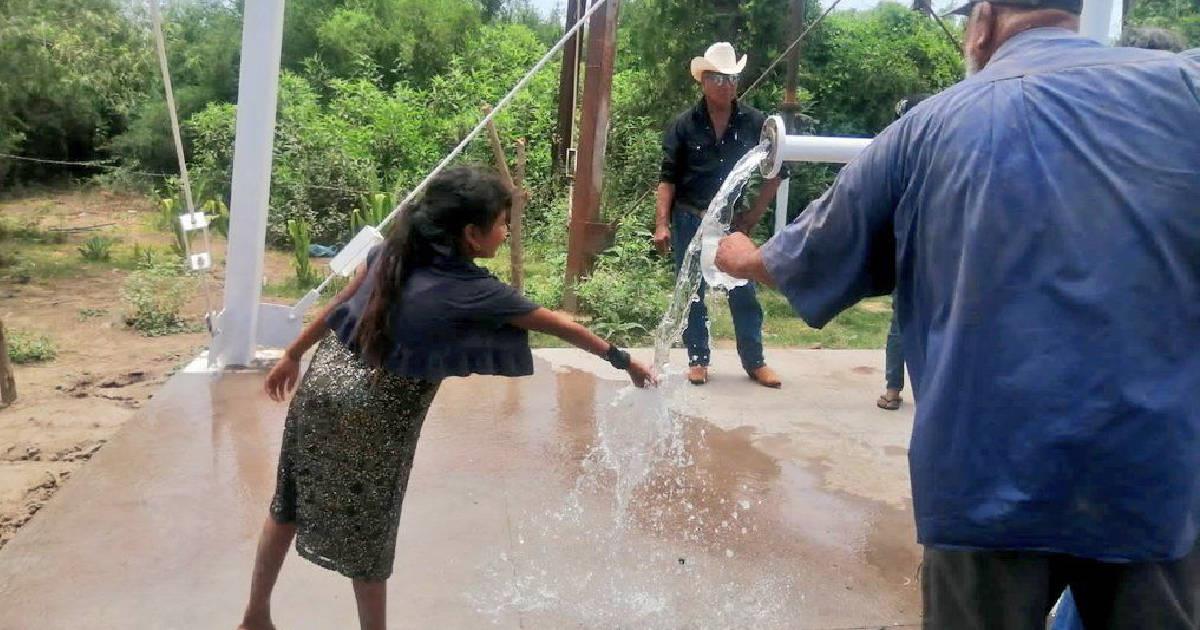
{"x":396,"y":40}
{"x":73,"y":71}
{"x":860,"y":63}
{"x":203,"y":41}
{"x":1182,"y":16}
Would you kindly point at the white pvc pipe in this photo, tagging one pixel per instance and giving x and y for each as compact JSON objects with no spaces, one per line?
{"x":262,"y":40}
{"x":820,"y":149}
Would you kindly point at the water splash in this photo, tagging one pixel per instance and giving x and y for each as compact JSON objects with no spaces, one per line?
{"x":675,"y":572}
{"x":714,"y":225}
{"x":638,"y":430}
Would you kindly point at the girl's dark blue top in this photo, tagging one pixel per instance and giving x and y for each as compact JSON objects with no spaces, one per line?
{"x":451,"y":320}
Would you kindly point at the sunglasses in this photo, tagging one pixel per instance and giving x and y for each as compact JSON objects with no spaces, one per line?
{"x":719,"y":79}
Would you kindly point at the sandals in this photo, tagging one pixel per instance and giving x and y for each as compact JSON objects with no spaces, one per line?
{"x":890,"y":404}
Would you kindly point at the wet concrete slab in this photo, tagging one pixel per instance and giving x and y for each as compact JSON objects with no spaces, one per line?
{"x":533,"y":504}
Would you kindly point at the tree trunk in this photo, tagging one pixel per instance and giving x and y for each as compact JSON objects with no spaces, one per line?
{"x":8,"y":385}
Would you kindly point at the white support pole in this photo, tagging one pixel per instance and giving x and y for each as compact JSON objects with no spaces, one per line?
{"x":235,"y":341}
{"x":1096,"y":21}
{"x":781,"y":205}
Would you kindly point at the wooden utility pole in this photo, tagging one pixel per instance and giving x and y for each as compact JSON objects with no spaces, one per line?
{"x":587,"y":235}
{"x":8,"y":384}
{"x":568,"y":88}
{"x":797,"y":10}
{"x":516,"y":216}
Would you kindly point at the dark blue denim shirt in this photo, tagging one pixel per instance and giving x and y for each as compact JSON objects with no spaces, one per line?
{"x":1040,"y":222}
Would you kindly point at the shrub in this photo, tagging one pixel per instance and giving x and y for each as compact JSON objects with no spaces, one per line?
{"x":375,"y":208}
{"x":98,"y":248}
{"x":168,"y":220}
{"x":218,"y":216}
{"x":301,"y":240}
{"x":154,"y":298}
{"x":147,"y":257}
{"x":25,"y":347}
{"x":629,"y":289}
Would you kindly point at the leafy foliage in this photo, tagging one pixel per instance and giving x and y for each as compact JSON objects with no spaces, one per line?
{"x":305,"y":275}
{"x":375,"y":208}
{"x":1180,"y":16}
{"x":861,"y":63}
{"x":154,"y":298}
{"x":629,"y":289}
{"x":26,"y":347}
{"x":73,"y":70}
{"x":98,"y":248}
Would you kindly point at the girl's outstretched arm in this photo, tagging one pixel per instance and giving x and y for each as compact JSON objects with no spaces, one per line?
{"x":574,"y":333}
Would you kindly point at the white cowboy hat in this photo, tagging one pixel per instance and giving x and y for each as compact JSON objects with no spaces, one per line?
{"x":718,"y":58}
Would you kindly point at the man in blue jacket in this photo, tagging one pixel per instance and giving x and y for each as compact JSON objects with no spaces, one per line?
{"x":1044,"y":249}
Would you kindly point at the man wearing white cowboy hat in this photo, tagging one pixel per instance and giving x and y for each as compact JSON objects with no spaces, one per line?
{"x":700,"y":148}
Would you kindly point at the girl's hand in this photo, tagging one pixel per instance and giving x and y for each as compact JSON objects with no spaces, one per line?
{"x":641,"y":375}
{"x":282,"y":378}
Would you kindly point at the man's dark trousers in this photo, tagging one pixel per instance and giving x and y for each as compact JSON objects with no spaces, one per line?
{"x":1014,"y":590}
{"x":743,"y":305}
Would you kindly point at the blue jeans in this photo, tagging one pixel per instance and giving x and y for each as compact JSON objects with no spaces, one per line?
{"x":1068,"y":616}
{"x":743,"y":305}
{"x":894,"y":355}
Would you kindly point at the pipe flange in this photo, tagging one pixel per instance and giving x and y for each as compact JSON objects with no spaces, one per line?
{"x":774,"y":133}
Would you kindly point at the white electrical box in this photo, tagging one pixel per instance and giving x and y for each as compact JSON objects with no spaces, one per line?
{"x":194,"y":221}
{"x":200,"y":262}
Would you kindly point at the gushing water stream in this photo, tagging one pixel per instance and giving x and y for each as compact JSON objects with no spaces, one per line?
{"x":642,"y":500}
{"x":714,"y":225}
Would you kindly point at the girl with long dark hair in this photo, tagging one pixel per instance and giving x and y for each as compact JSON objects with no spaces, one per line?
{"x":419,"y":310}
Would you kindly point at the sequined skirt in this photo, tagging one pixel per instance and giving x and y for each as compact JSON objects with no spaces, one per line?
{"x":348,"y":446}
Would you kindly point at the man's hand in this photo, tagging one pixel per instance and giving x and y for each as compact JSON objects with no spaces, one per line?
{"x":739,"y":257}
{"x":662,"y":239}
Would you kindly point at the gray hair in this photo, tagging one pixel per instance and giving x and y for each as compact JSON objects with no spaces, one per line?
{"x":1153,"y":38}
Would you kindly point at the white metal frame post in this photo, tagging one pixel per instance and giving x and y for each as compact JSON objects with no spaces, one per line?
{"x":781,"y":205}
{"x":1096,"y":21}
{"x":235,"y":341}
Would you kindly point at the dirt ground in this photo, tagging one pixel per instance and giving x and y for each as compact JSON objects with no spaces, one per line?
{"x":104,"y":372}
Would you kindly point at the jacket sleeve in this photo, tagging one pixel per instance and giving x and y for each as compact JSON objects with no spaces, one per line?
{"x":843,"y":246}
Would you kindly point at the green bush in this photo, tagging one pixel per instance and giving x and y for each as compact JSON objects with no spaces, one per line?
{"x":629,"y":289}
{"x":154,"y":299}
{"x":305,"y":275}
{"x":375,"y":208}
{"x":25,"y":347}
{"x":167,"y":220}
{"x":150,"y":257}
{"x":218,"y":216}
{"x":97,"y":248}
